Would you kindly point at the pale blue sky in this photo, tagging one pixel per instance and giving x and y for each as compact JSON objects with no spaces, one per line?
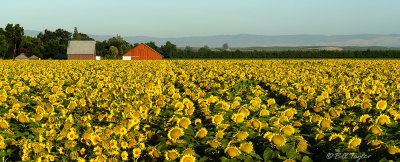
{"x":177,"y":18}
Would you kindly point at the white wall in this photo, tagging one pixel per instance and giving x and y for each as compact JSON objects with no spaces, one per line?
{"x":126,"y":58}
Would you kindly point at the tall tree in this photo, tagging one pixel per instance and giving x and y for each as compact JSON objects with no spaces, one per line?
{"x":225,"y":46}
{"x":34,"y":46}
{"x":3,"y":45}
{"x":122,"y":45}
{"x":83,"y":36}
{"x":168,"y":49}
{"x":53,"y":47}
{"x":113,"y":52}
{"x":205,"y":48}
{"x":188,"y":49}
{"x":54,"y":42}
{"x":14,"y":34}
{"x":63,"y":36}
{"x":101,"y":48}
{"x":76,"y":35}
{"x":153,"y":45}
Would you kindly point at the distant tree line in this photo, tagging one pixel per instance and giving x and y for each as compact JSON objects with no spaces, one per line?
{"x":207,"y":53}
{"x":48,"y":43}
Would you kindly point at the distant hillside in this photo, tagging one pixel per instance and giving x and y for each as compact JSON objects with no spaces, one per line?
{"x":247,"y":40}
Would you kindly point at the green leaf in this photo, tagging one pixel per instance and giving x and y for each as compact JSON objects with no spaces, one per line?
{"x":248,"y":159}
{"x":293,"y":155}
{"x":224,"y":159}
{"x":285,"y":149}
{"x":204,"y":158}
{"x":268,"y":154}
{"x":256,"y":156}
{"x":306,"y":159}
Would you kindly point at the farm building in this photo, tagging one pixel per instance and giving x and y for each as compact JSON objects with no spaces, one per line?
{"x":81,"y":50}
{"x":142,"y":52}
{"x":33,"y":57}
{"x":21,"y":56}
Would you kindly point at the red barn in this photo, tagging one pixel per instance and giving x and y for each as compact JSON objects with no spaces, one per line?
{"x":142,"y":52}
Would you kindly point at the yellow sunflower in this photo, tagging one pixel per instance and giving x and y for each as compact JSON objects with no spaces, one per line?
{"x":238,"y":118}
{"x":306,"y":113}
{"x":179,"y":105}
{"x":188,"y":151}
{"x":242,"y":135}
{"x":375,"y":144}
{"x":271,"y":101}
{"x":302,"y":146}
{"x":214,"y":143}
{"x":124,"y":155}
{"x":393,"y":150}
{"x":136,"y":152}
{"x":325,"y":122}
{"x":374,"y":129}
{"x":175,"y":133}
{"x":364,"y":118}
{"x":184,"y":122}
{"x":95,"y":139}
{"x":366,"y":104}
{"x":217,"y":119}
{"x":232,"y":151}
{"x":22,"y":118}
{"x":220,"y":134}
{"x":264,"y":112}
{"x":334,"y":112}
{"x":315,"y":118}
{"x":69,"y":90}
{"x":197,"y":122}
{"x":188,"y":158}
{"x":201,"y":133}
{"x":171,"y":155}
{"x":381,"y":105}
{"x":72,"y":135}
{"x":278,"y":140}
{"x":350,"y":103}
{"x":4,"y":124}
{"x":288,"y":130}
{"x":354,"y":142}
{"x":383,"y":119}
{"x":235,"y":104}
{"x":256,"y":124}
{"x":246,"y":147}
{"x":336,"y":138}
{"x":3,"y":98}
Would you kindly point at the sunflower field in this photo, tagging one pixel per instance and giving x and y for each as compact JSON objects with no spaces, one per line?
{"x":200,"y":110}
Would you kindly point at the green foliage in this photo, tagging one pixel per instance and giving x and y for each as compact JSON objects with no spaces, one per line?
{"x":225,"y":46}
{"x":205,"y":52}
{"x":53,"y":42}
{"x":113,"y":52}
{"x":168,"y":50}
{"x":14,"y":35}
{"x":33,"y":45}
{"x":122,"y":46}
{"x":153,"y":45}
{"x":76,"y":35}
{"x":3,"y":45}
{"x":53,"y":47}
